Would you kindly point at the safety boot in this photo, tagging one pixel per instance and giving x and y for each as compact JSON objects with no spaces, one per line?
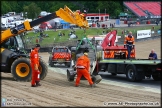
{"x":76,"y":85}
{"x":37,"y":83}
{"x":33,"y":86}
{"x":93,"y":85}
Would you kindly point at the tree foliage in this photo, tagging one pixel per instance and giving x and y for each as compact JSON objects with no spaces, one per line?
{"x":33,"y":7}
{"x":32,"y":11}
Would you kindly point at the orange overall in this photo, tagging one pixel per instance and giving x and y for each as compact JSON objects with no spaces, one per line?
{"x":34,"y":59}
{"x":82,"y":65}
{"x":129,"y":42}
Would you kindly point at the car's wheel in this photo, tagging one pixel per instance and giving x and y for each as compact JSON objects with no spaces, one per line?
{"x":43,"y":69}
{"x":96,"y":78}
{"x":70,"y":75}
{"x":51,"y":64}
{"x":21,"y":69}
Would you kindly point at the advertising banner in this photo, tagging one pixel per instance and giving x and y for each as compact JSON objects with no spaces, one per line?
{"x":143,"y":34}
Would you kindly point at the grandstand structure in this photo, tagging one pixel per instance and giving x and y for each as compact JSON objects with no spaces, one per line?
{"x":146,"y":10}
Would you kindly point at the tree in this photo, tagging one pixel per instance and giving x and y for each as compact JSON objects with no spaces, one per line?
{"x":5,"y":7}
{"x":112,"y":7}
{"x":34,"y":7}
{"x":32,"y":10}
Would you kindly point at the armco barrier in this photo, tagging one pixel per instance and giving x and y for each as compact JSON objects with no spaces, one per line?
{"x":49,"y":49}
{"x":44,"y":49}
{"x":154,"y":35}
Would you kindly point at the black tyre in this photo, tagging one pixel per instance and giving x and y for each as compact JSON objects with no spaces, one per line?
{"x":96,"y":78}
{"x":21,"y":69}
{"x":93,"y":78}
{"x":113,"y":74}
{"x":43,"y":69}
{"x":51,"y":64}
{"x":70,"y":76}
{"x":131,"y":73}
{"x":156,"y":77}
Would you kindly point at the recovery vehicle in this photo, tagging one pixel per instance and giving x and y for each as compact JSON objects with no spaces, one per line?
{"x":13,"y":57}
{"x":60,"y":55}
{"x":112,"y":59}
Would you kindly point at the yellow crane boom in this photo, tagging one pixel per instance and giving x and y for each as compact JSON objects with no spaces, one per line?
{"x":66,"y":14}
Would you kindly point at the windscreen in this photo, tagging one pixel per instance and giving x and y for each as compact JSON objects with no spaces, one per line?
{"x":20,"y":42}
{"x":60,"y":50}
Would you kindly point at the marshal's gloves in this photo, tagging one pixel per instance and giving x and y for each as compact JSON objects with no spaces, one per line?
{"x":133,"y":46}
{"x":91,"y":66}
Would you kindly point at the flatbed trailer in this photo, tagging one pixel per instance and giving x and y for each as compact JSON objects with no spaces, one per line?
{"x":134,"y":69}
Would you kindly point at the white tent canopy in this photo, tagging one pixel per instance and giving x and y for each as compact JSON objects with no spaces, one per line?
{"x":57,"y":19}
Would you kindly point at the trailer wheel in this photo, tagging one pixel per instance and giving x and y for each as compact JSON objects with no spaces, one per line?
{"x":69,"y":76}
{"x":131,"y":73}
{"x":156,"y":77}
{"x":43,"y":69}
{"x":21,"y":69}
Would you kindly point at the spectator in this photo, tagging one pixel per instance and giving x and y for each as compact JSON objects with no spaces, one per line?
{"x":63,"y":34}
{"x":103,"y":25}
{"x":46,"y":28}
{"x":152,"y":55}
{"x":55,"y":26}
{"x":157,"y":22}
{"x":41,"y":33}
{"x":103,"y":32}
{"x":60,"y":34}
{"x":106,"y":25}
{"x":71,"y":32}
{"x":98,"y":25}
{"x":112,"y":25}
{"x":40,"y":39}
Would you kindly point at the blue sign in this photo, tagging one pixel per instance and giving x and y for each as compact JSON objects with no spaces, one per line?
{"x":159,"y":31}
{"x":118,"y":22}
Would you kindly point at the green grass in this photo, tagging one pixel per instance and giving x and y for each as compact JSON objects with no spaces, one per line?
{"x":80,"y":33}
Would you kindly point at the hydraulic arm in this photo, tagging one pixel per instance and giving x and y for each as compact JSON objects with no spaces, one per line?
{"x":66,"y":14}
